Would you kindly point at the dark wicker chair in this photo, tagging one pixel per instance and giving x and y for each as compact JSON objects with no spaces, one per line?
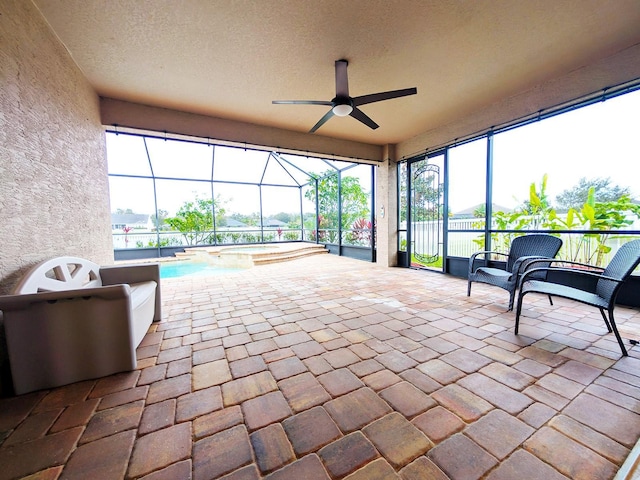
{"x":608,"y":283}
{"x":523,"y":250}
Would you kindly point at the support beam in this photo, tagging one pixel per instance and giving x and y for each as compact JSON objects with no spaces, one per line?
{"x":387,"y":209}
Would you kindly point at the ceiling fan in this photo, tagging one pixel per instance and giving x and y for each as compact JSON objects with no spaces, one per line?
{"x":343,"y":105}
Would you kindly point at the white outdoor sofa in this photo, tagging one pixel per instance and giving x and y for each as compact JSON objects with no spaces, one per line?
{"x":71,"y":320}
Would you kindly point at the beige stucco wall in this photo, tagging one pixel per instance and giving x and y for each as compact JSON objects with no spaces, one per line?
{"x":134,"y":115}
{"x":54,"y":193}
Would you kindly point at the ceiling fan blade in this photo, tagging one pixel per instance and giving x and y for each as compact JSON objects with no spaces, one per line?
{"x":302,"y":102}
{"x":361,"y":116}
{"x":322,"y":121}
{"x":342,"y":80}
{"x":378,"y":97}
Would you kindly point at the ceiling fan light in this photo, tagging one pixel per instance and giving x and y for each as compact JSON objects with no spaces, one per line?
{"x":342,"y":110}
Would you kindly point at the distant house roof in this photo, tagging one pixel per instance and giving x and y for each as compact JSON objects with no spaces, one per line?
{"x":129,"y":218}
{"x":468,"y":212}
{"x":272,"y":222}
{"x":234,"y":223}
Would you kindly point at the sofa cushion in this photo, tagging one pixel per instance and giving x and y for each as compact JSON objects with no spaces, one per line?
{"x":143,"y":297}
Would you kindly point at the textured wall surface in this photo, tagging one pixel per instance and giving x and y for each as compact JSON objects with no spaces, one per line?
{"x":54,"y":192}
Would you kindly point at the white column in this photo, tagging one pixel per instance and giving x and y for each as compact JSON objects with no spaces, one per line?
{"x":386,"y":209}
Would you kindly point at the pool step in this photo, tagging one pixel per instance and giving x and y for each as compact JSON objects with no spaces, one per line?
{"x":187,"y":254}
{"x":284,"y":256}
{"x":282,"y":253}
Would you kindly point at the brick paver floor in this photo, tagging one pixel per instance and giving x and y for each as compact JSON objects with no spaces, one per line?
{"x":331,"y":368}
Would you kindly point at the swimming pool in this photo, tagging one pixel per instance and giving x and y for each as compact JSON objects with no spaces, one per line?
{"x":192,"y":269}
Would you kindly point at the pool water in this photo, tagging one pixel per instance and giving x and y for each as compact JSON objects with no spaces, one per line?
{"x":192,"y":269}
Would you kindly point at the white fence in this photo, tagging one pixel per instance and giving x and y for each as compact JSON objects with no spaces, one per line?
{"x":576,"y":246}
{"x":149,"y":239}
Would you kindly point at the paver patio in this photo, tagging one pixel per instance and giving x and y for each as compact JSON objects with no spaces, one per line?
{"x":331,"y":368}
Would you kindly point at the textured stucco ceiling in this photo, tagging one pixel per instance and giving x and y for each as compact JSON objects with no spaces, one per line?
{"x":231,"y":58}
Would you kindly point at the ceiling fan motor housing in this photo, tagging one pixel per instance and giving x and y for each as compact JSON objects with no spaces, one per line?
{"x":342,"y":106}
